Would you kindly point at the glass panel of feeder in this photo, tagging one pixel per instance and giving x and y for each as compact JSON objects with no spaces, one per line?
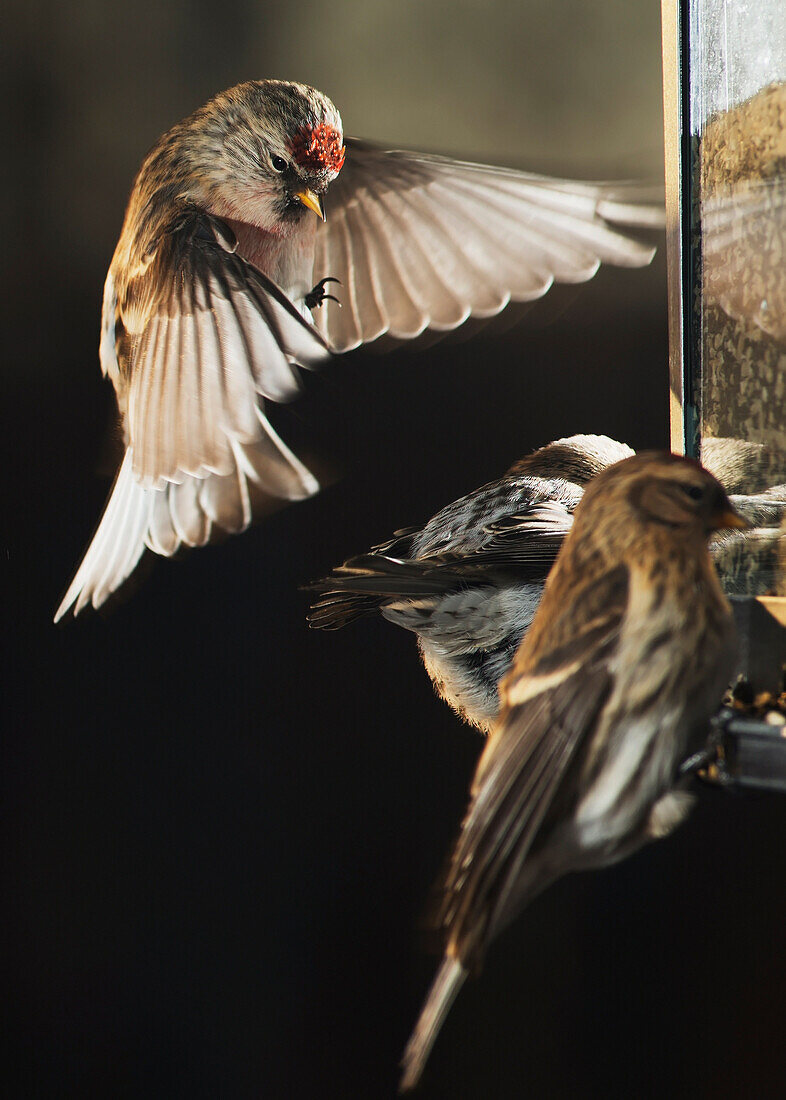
{"x":737,"y":67}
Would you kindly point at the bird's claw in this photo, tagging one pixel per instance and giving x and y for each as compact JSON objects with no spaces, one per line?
{"x":317,"y":296}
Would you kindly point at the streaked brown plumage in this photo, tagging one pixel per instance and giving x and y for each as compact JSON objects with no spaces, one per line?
{"x":221,"y":258}
{"x":612,"y":688}
{"x":467,"y":583}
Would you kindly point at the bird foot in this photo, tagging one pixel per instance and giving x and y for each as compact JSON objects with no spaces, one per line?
{"x":317,"y":296}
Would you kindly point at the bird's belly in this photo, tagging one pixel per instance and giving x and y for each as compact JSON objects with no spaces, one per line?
{"x":469,"y":687}
{"x":468,"y":641}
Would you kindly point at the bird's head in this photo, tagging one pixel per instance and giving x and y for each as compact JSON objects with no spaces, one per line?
{"x":576,"y":458}
{"x":660,"y":489}
{"x":267,"y":151}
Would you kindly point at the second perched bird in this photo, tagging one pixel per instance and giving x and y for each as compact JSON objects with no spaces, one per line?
{"x":221,"y":258}
{"x":469,"y":581}
{"x":613,"y":686}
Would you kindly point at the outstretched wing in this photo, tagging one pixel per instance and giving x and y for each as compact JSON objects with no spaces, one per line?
{"x":422,"y":241}
{"x":194,"y":339}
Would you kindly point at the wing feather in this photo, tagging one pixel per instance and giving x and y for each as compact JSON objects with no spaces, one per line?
{"x":365,"y":286}
{"x":115,"y":549}
{"x":190,"y":523}
{"x":211,"y":338}
{"x":423,"y":241}
{"x":550,"y":708}
{"x":161,"y":536}
{"x":438,"y":270}
{"x":427,"y":286}
{"x":235,"y":351}
{"x":109,"y":561}
{"x":543,"y":247}
{"x":349,"y":322}
{"x":468,"y":273}
{"x":510,"y":547}
{"x":387,"y":258}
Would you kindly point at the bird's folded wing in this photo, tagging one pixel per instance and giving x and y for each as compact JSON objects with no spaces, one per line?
{"x":203,"y":338}
{"x":422,"y":241}
{"x":527,"y":542}
{"x":529,"y":538}
{"x":520,"y":506}
{"x":547,"y":714}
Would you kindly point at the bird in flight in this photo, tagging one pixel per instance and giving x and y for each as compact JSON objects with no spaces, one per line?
{"x":245,"y":223}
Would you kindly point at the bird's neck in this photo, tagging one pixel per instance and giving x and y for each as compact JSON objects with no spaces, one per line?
{"x":679,"y":573}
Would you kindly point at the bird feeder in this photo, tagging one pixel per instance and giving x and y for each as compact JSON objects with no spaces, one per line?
{"x":724,"y":66}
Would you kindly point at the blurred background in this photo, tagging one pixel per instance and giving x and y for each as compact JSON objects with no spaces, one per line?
{"x":220,"y":828}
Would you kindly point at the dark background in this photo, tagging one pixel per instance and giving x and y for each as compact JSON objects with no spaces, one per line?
{"x":219,"y":827}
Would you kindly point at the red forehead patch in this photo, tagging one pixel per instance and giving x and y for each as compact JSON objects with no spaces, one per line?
{"x":319,"y":149}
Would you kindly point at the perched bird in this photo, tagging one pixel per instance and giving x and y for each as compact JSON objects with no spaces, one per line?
{"x":222,"y":257}
{"x":612,"y":688}
{"x":468,"y":582}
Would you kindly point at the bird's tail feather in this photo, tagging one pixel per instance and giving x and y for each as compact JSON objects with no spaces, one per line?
{"x":116,"y":547}
{"x":363,"y":583}
{"x":444,"y":989}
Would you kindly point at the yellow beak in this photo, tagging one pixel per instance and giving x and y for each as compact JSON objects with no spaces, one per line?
{"x":730,"y":519}
{"x":311,"y":200}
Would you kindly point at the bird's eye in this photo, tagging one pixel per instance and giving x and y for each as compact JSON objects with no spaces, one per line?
{"x":279,"y":164}
{"x":695,"y":492}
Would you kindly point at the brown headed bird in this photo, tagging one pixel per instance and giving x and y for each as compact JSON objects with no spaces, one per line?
{"x":611,"y":689}
{"x":222,"y":257}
